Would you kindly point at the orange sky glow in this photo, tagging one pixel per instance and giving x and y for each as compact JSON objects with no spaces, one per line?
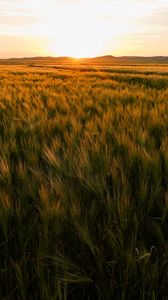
{"x":83,"y":28}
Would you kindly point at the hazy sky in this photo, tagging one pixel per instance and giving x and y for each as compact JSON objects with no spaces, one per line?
{"x":83,"y":28}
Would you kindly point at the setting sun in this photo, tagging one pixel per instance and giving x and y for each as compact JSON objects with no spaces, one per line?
{"x":81,"y":28}
{"x":79,"y":39}
{"x":87,"y":30}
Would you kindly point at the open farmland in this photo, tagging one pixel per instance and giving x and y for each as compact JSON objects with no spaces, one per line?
{"x":83,"y":182}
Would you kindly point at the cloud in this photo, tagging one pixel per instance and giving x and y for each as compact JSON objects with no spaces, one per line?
{"x":158,"y":18}
{"x":137,"y":23}
{"x":18,"y":20}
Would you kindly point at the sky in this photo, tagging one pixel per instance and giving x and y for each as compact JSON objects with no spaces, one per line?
{"x":83,"y":28}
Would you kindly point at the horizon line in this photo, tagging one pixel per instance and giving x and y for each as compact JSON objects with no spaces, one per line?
{"x":91,"y":57}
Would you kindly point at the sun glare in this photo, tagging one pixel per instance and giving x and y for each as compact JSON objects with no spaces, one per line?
{"x":82,"y":28}
{"x":83,"y":33}
{"x":80,"y":38}
{"x":76,"y":49}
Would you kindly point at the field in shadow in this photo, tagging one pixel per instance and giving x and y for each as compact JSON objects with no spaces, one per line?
{"x":83,"y":182}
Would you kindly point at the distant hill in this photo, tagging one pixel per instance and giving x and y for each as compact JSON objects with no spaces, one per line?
{"x":129,"y":59}
{"x":102,"y":60}
{"x":37,"y":60}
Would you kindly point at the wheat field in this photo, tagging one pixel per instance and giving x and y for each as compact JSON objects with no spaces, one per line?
{"x":83,"y":183}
